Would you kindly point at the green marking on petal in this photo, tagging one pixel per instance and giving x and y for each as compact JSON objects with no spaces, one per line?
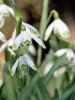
{"x":27,"y":42}
{"x":5,"y":14}
{"x":23,"y":66}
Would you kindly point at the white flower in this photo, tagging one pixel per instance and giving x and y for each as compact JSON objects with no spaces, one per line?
{"x":69,"y":53}
{"x":25,"y":37}
{"x":8,"y":43}
{"x":60,"y":29}
{"x":5,"y":11}
{"x":22,"y":61}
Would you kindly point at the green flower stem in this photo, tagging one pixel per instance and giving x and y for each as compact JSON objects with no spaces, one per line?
{"x":42,"y":29}
{"x":53,"y":13}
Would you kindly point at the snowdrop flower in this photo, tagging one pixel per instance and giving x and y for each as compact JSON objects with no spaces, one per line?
{"x":5,"y":11}
{"x":8,"y":43}
{"x":69,"y":53}
{"x":22,"y":62}
{"x":25,"y":37}
{"x":60,"y":29}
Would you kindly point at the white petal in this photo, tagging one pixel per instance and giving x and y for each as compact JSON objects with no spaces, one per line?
{"x":32,"y":50}
{"x":10,"y":42}
{"x":69,"y":53}
{"x":59,"y":72}
{"x":3,"y":47}
{"x":14,"y":34}
{"x":1,"y":21}
{"x":48,"y":67}
{"x":5,"y":8}
{"x":31,"y":28}
{"x":60,"y":52}
{"x":2,"y":8}
{"x":49,"y":31}
{"x":26,"y":37}
{"x":30,"y":62}
{"x":34,"y":37}
{"x":22,"y":60}
{"x":61,"y":30}
{"x":13,"y":70}
{"x":2,"y":37}
{"x":17,"y":42}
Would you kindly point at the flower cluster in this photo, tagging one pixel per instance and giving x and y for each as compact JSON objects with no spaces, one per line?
{"x":24,"y":41}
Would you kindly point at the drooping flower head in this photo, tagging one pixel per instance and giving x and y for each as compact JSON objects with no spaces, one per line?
{"x":26,"y":36}
{"x":60,"y":29}
{"x":21,"y":62}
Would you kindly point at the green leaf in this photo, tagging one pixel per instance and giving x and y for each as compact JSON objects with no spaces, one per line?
{"x":10,"y":93}
{"x":43,"y":90}
{"x":67,"y":93}
{"x":26,"y":91}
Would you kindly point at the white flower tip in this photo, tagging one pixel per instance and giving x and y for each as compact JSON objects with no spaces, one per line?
{"x":59,"y":72}
{"x":46,"y":38}
{"x":1,"y":83}
{"x":2,"y":37}
{"x":44,"y":46}
{"x":12,"y":73}
{"x":49,"y":31}
{"x":60,"y":52}
{"x":32,"y":50}
{"x":34,"y":68}
{"x":48,"y":68}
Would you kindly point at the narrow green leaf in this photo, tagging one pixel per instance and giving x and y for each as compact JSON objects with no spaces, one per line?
{"x":67,"y":93}
{"x":43,"y":90}
{"x":10,"y":93}
{"x":26,"y":91}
